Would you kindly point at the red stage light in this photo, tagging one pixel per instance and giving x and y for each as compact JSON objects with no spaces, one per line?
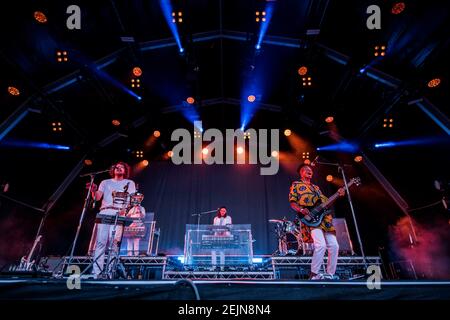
{"x":398,"y":8}
{"x":13,"y":91}
{"x":137,"y":71}
{"x":115,"y":122}
{"x":205,"y":151}
{"x":434,"y":83}
{"x":157,"y":133}
{"x":302,"y":70}
{"x":40,"y":17}
{"x":329,"y":178}
{"x":329,"y":119}
{"x":251,"y":98}
{"x":190,"y":100}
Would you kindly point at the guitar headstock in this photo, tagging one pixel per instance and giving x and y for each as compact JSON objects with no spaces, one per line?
{"x":356,"y":181}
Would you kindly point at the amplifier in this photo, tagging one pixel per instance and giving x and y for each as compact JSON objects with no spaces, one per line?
{"x":343,"y":237}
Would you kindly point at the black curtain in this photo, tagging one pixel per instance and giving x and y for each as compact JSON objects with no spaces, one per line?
{"x":174,"y":193}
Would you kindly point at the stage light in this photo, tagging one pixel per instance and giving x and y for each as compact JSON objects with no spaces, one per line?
{"x":40,"y":17}
{"x":305,"y":155}
{"x":379,"y":50}
{"x":197,"y":134}
{"x":260,"y":16}
{"x":115,"y":122}
{"x":398,"y":7}
{"x":306,"y":81}
{"x":170,"y":154}
{"x":156,"y":133}
{"x":190,"y":100}
{"x":434,"y":83}
{"x":135,"y":82}
{"x":13,"y":91}
{"x":177,"y":17}
{"x":307,"y":162}
{"x":145,"y":163}
{"x":329,"y":119}
{"x":287,"y":132}
{"x":56,"y":126}
{"x":388,"y":123}
{"x":274,"y":153}
{"x":62,"y":56}
{"x":302,"y":70}
{"x":247,"y":135}
{"x":137,"y":71}
{"x":358,"y":158}
{"x":329,"y":178}
{"x":205,"y":151}
{"x":139,"y":154}
{"x":240,"y":150}
{"x":251,"y":98}
{"x":88,"y":162}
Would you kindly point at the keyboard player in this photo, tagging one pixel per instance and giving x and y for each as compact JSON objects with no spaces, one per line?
{"x":221,"y":219}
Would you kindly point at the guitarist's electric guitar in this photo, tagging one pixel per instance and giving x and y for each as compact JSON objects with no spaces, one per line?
{"x":26,"y":264}
{"x":319,"y":210}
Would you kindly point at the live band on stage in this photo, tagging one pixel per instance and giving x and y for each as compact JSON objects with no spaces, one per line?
{"x":121,"y":226}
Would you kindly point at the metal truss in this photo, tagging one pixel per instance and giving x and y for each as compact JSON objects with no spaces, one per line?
{"x":222,"y":275}
{"x":342,"y":261}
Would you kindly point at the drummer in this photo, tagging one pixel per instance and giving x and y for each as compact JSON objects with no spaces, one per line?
{"x":114,"y":193}
{"x":136,"y":230}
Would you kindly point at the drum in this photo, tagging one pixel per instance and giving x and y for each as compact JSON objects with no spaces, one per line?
{"x":136,"y":199}
{"x":120,"y":199}
{"x":292,"y":243}
{"x":289,"y":227}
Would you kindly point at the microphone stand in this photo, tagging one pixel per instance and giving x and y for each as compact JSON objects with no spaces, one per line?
{"x":86,"y":202}
{"x":341,"y":169}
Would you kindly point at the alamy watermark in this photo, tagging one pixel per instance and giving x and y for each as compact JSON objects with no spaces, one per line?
{"x":261,"y":149}
{"x":374,"y":279}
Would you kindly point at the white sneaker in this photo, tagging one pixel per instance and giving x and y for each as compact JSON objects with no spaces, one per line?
{"x":319,"y":276}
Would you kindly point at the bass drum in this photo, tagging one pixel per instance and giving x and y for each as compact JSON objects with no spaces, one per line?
{"x":293,"y":243}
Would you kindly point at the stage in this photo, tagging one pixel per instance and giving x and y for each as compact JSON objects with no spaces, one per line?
{"x":50,"y":289}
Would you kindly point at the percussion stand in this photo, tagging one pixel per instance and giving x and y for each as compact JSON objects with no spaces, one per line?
{"x":111,"y":274}
{"x":85,"y":206}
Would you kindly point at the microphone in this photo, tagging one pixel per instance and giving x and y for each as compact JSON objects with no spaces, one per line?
{"x":313,"y":163}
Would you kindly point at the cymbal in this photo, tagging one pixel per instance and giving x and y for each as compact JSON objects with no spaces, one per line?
{"x":276,"y":221}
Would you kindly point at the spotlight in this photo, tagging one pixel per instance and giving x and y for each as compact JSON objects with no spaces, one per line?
{"x":398,"y":8}
{"x":205,"y":151}
{"x":329,"y":119}
{"x":13,"y":91}
{"x":190,"y":100}
{"x":156,"y":133}
{"x":274,"y":153}
{"x":388,"y":123}
{"x":56,"y":126}
{"x":170,"y":154}
{"x":258,"y":47}
{"x":260,"y":16}
{"x":137,"y":71}
{"x":302,"y":70}
{"x":434,"y":83}
{"x":329,"y":178}
{"x":358,"y":158}
{"x":115,"y":122}
{"x":251,"y":98}
{"x":247,"y":135}
{"x":62,"y":56}
{"x":240,"y":150}
{"x":307,"y":162}
{"x":145,"y":163}
{"x":379,"y":50}
{"x":305,"y":155}
{"x":181,"y":50}
{"x":40,"y":17}
{"x":197,"y":134}
{"x":287,"y":132}
{"x":88,"y":162}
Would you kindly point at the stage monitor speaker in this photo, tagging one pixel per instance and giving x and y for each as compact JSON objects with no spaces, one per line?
{"x":343,"y":237}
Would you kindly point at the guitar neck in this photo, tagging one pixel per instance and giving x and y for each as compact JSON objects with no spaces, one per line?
{"x":333,"y":198}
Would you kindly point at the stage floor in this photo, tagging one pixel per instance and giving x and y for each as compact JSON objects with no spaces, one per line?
{"x":50,"y":289}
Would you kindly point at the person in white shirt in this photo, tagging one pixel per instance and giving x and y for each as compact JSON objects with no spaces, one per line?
{"x":119,"y":184}
{"x":222,"y":219}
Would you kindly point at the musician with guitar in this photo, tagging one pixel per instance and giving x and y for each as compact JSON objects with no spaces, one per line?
{"x":109,"y":191}
{"x":311,"y":205}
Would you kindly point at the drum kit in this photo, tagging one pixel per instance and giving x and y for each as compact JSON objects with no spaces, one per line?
{"x":291,"y":237}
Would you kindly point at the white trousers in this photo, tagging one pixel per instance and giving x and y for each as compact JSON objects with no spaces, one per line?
{"x":323,"y":241}
{"x":133,"y":246}
{"x":104,"y":236}
{"x":214,"y":258}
